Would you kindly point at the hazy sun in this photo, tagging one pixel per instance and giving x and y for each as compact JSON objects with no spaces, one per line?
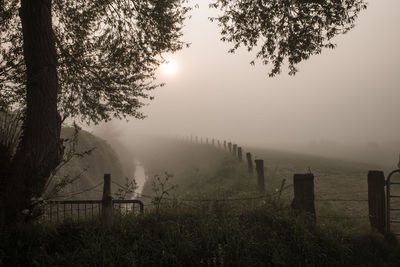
{"x":169,"y":67}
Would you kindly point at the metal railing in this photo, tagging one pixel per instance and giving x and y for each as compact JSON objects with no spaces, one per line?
{"x":59,"y":210}
{"x":389,"y":196}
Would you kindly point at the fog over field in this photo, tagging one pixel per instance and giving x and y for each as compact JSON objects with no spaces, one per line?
{"x":342,"y":103}
{"x":245,"y":141}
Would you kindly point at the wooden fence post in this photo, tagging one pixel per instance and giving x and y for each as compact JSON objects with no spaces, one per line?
{"x":213,"y":142}
{"x":234,"y":149}
{"x":376,"y":200}
{"x":230,"y":147}
{"x":240,"y":154}
{"x":249,"y":162}
{"x":282,"y":187}
{"x":304,"y":193}
{"x":260,"y":175}
{"x":224,"y":145}
{"x":107,"y":203}
{"x":219,"y":144}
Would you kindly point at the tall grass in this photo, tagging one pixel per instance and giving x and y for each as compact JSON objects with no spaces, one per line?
{"x":267,"y":234}
{"x":254,"y":232}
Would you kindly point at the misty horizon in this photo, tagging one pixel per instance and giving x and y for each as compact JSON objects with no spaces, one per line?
{"x":345,"y":97}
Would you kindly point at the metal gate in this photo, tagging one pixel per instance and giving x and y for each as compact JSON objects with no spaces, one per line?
{"x":87,"y":209}
{"x":389,"y":198}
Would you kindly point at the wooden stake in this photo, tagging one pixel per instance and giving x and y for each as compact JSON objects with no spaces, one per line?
{"x":260,"y":175}
{"x":107,"y":203}
{"x":240,"y":154}
{"x":249,"y":162}
{"x":304,"y":193}
{"x":376,"y":200}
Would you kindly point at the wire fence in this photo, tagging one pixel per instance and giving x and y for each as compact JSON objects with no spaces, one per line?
{"x":59,"y":210}
{"x":327,"y":197}
{"x":344,"y":204}
{"x":202,"y":199}
{"x":69,"y":195}
{"x":342,"y":198}
{"x":184,"y":201}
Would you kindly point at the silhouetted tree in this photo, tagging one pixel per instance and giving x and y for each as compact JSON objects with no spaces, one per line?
{"x":62,"y":58}
{"x":280,"y":30}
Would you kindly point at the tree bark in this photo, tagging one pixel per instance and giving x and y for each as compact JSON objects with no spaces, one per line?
{"x":39,"y":148}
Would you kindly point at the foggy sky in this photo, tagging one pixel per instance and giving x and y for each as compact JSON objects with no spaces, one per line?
{"x":349,"y":94}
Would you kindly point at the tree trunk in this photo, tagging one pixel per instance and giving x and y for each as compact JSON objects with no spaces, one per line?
{"x":39,"y":148}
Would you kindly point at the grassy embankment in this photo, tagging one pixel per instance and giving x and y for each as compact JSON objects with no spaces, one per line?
{"x":239,"y":233}
{"x":89,"y":169}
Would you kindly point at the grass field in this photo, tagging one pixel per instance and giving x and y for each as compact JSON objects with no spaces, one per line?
{"x":214,"y":217}
{"x":204,"y":171}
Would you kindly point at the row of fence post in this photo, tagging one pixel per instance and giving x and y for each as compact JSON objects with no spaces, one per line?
{"x":237,"y":151}
{"x":304,"y":198}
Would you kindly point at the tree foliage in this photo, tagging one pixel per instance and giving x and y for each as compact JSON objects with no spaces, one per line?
{"x":281,"y":30}
{"x":88,"y":59}
{"x":108,"y":51}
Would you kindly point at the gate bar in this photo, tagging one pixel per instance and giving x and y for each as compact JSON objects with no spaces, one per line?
{"x":388,"y":196}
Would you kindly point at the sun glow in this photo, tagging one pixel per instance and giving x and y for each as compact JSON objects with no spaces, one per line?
{"x":169,"y":67}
